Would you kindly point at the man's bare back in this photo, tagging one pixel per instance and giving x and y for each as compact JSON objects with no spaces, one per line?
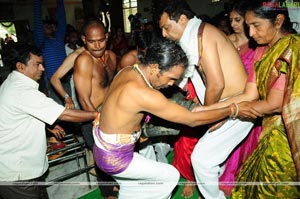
{"x":220,"y":59}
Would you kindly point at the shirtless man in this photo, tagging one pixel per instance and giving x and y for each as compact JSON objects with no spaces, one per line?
{"x":134,"y":92}
{"x":224,"y":76}
{"x":94,"y":70}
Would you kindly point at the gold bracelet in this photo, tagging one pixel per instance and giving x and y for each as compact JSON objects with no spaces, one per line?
{"x":234,"y":110}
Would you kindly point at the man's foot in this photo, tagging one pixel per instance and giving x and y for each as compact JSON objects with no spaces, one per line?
{"x":115,"y":189}
{"x":188,"y":189}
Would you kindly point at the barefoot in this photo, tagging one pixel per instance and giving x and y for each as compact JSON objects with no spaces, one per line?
{"x":116,"y":189}
{"x":188,"y":189}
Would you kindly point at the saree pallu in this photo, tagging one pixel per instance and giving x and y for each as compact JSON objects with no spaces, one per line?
{"x":270,"y":172}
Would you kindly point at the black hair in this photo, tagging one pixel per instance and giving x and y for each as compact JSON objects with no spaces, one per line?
{"x":21,"y":53}
{"x":175,"y":8}
{"x":92,"y":22}
{"x":166,"y":54}
{"x":240,"y":6}
{"x":267,"y":9}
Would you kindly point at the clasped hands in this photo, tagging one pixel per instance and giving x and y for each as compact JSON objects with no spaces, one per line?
{"x":245,"y":110}
{"x":69,"y":104}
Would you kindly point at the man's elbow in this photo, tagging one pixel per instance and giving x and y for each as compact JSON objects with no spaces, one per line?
{"x":63,"y":115}
{"x":215,"y":93}
{"x":217,"y":88}
{"x":53,"y":80}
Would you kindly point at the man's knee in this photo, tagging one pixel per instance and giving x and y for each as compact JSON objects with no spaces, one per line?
{"x":199,"y":156}
{"x":194,"y":159}
{"x":173,"y":178}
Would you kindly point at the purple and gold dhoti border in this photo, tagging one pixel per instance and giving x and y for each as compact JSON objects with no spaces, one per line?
{"x":113,"y":152}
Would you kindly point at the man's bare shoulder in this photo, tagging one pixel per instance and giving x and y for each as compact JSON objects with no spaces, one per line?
{"x":131,"y":53}
{"x":128,"y":59}
{"x":212,"y":33}
{"x":84,"y":56}
{"x":83,"y":61}
{"x":133,"y":83}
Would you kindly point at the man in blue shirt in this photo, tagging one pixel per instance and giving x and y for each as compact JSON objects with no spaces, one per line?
{"x":49,"y":37}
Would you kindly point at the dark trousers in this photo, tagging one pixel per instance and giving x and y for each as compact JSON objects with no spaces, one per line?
{"x":25,"y":189}
{"x":106,"y":182}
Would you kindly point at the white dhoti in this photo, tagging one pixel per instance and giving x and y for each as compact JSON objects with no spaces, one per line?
{"x":147,"y":179}
{"x":214,"y":147}
{"x":212,"y":150}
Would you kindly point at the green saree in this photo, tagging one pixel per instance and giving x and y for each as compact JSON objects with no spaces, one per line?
{"x":271,"y":171}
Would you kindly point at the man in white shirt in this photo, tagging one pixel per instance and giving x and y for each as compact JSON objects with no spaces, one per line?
{"x":24,"y":111}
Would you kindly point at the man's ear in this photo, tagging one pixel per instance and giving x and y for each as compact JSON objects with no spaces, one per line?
{"x":183,"y":19}
{"x":20,"y":66}
{"x":153,"y":68}
{"x":83,"y":39}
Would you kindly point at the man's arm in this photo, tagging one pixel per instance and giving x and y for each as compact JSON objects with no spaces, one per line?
{"x":83,"y":76}
{"x":66,"y":66}
{"x":249,"y":94}
{"x":154,"y":102}
{"x":39,"y":36}
{"x":73,"y":115}
{"x":61,"y":21}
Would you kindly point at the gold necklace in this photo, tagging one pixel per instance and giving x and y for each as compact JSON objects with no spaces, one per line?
{"x":138,"y":70}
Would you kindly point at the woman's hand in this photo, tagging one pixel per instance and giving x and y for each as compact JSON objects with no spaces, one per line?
{"x":246,"y":111}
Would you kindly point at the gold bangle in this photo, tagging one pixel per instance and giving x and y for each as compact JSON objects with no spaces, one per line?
{"x":234,"y":110}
